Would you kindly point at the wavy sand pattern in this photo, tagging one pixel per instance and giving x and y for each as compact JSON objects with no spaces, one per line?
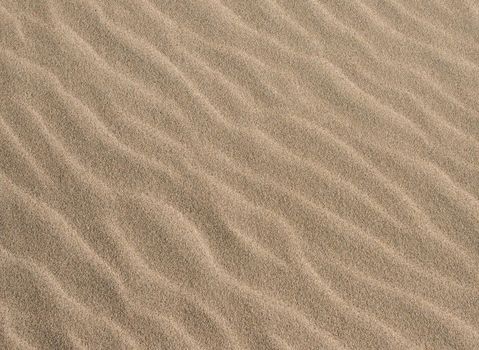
{"x":226,"y":174}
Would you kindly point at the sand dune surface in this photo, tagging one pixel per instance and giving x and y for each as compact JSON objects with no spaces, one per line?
{"x":227,"y":174}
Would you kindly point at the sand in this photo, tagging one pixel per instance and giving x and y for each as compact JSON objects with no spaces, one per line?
{"x":239,"y":174}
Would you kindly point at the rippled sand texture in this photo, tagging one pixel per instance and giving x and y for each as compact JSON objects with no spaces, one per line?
{"x":218,"y":174}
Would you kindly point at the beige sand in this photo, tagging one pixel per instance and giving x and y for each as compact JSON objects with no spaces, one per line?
{"x":219,"y":174}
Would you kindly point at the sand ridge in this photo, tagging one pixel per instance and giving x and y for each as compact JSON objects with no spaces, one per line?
{"x":224,"y":174}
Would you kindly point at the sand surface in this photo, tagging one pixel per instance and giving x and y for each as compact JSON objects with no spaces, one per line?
{"x":239,"y":174}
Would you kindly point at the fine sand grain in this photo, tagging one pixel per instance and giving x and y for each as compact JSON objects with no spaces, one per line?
{"x":239,"y":174}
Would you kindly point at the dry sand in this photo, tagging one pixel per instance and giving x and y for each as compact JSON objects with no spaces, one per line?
{"x":219,"y":174}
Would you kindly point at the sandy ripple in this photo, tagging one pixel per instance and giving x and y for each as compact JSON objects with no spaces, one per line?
{"x":222,"y":174}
